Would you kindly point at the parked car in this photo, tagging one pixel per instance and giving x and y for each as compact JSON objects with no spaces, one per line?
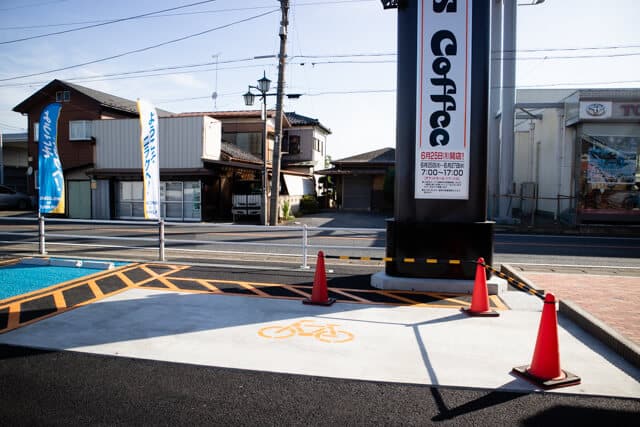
{"x":12,"y":199}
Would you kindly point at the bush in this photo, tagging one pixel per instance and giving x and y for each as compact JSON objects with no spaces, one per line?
{"x":309,"y":204}
{"x":286,"y":210}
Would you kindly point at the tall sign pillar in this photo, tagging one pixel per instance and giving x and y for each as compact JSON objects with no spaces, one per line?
{"x":441,"y":140}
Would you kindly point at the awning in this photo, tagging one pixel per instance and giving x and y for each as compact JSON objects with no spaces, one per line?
{"x":298,"y":185}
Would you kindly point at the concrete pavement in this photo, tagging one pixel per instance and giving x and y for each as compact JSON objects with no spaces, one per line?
{"x":412,"y":345}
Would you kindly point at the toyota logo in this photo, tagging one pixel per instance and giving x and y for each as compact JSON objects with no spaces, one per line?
{"x":596,"y":109}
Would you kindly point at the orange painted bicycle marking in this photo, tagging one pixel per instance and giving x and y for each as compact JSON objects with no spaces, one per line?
{"x":325,"y":332}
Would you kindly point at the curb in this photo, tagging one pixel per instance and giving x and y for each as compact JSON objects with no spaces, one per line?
{"x":600,"y":330}
{"x":591,"y":324}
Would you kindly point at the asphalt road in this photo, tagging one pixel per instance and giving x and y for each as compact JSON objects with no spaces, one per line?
{"x":67,"y":388}
{"x":224,"y":243}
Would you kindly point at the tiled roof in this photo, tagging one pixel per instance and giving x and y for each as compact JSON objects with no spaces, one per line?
{"x":236,"y":153}
{"x":244,"y":114}
{"x":104,"y":99}
{"x":299,"y":120}
{"x":240,"y":114}
{"x":352,"y":171}
{"x":381,"y":156}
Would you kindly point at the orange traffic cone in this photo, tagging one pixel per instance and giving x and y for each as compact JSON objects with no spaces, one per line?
{"x":320,"y":293}
{"x":544,"y":370}
{"x":480,"y":297}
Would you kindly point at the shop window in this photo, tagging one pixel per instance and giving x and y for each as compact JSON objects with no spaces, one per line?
{"x":609,"y":175}
{"x":180,"y":200}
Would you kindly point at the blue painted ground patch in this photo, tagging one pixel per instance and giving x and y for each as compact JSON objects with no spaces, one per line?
{"x":18,"y":279}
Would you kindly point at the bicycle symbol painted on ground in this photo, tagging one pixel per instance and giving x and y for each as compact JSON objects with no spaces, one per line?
{"x":325,"y":332}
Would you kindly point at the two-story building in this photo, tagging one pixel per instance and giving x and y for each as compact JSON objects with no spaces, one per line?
{"x":305,"y":147}
{"x":76,"y":147}
{"x":197,"y":169}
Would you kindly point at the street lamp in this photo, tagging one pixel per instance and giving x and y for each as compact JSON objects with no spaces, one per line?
{"x":263,"y":87}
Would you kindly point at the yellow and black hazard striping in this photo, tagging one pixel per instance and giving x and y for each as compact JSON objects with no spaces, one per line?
{"x":27,"y":308}
{"x":405,"y":260}
{"x":510,"y":280}
{"x":517,"y":283}
{"x":187,"y":280}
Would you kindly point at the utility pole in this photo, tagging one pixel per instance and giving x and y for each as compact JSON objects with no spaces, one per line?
{"x":505,"y":184}
{"x":1,"y":160}
{"x":275,"y":179}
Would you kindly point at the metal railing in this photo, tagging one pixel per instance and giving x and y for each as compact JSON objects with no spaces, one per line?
{"x":162,"y":239}
{"x":517,"y":201}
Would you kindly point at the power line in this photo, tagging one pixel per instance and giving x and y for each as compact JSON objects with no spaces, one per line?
{"x":25,"y":6}
{"x":201,"y":12}
{"x":560,"y":49}
{"x":105,"y":23}
{"x":539,"y":58}
{"x":351,"y":92}
{"x":10,"y":126}
{"x":141,"y":49}
{"x":181,"y":66}
{"x":156,"y":72}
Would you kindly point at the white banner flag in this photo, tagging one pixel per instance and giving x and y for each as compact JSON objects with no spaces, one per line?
{"x":444,"y":98}
{"x":150,"y":161}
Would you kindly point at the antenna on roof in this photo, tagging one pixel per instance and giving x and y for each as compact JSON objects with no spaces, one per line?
{"x":214,"y":95}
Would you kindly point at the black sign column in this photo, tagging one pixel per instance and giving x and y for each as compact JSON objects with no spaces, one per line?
{"x":441,"y":140}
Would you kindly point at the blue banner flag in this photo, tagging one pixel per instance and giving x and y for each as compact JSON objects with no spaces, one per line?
{"x":50,"y":177}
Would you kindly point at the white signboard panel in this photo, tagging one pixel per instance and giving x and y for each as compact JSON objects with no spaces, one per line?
{"x":443,"y":101}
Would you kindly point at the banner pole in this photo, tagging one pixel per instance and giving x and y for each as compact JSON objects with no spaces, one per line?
{"x":41,"y":242}
{"x":161,"y":239}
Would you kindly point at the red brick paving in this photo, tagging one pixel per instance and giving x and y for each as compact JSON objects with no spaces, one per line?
{"x":613,"y":300}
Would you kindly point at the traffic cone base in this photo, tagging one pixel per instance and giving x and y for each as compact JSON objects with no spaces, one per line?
{"x":544,"y":370}
{"x":480,"y":297}
{"x":565,"y":380}
{"x":488,"y":313}
{"x":326,"y":302}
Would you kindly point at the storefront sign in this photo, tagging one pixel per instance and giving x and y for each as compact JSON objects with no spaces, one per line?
{"x":443,"y":103}
{"x":595,"y":110}
{"x":630,"y":110}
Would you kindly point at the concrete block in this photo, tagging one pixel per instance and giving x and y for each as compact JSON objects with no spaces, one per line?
{"x":381,"y":280}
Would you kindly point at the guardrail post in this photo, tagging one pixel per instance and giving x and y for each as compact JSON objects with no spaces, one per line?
{"x":305,"y":237}
{"x":41,"y":242}
{"x":161,"y":240}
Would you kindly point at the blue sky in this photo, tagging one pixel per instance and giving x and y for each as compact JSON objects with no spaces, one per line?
{"x":341,"y":55}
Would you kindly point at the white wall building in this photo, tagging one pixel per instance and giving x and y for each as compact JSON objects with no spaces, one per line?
{"x":576,"y":155}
